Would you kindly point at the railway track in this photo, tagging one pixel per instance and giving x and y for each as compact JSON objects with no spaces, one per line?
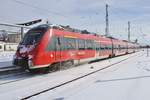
{"x":13,"y":77}
{"x":9,"y":69}
{"x":73,"y":80}
{"x":9,"y":74}
{"x":12,"y":74}
{"x":15,"y":74}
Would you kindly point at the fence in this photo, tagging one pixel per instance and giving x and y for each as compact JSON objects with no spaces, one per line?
{"x":10,"y":36}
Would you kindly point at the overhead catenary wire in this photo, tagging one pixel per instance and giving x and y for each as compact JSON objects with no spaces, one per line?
{"x":115,"y":12}
{"x":39,"y":8}
{"x":142,"y":35}
{"x":49,"y":11}
{"x":7,"y":19}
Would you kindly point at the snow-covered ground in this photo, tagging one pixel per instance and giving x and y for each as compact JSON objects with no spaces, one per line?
{"x":6,"y":58}
{"x":128,"y":80}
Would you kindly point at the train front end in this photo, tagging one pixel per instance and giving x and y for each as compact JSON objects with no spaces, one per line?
{"x":30,"y":48}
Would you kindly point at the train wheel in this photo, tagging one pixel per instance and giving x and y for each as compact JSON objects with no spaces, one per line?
{"x":110,"y":56}
{"x":45,"y":70}
{"x":33,"y":71}
{"x":113,"y":55}
{"x":40,"y":70}
{"x":68,"y":64}
{"x":54,"y":67}
{"x":61,"y":65}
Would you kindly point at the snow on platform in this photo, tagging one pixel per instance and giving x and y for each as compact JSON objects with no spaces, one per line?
{"x":6,"y":58}
{"x":125,"y":81}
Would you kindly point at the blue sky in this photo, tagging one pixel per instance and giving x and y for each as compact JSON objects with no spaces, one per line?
{"x":83,"y":14}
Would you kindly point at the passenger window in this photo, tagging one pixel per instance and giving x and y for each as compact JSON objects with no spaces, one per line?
{"x":69,"y":44}
{"x":89,"y":44}
{"x":81,"y":44}
{"x":97,"y":47}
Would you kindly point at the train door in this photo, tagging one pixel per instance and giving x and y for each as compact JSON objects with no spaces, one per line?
{"x":97,"y":50}
{"x":58,"y":49}
{"x":101,"y":50}
{"x":112,"y":47}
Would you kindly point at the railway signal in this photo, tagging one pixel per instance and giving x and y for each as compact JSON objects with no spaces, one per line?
{"x":30,"y":23}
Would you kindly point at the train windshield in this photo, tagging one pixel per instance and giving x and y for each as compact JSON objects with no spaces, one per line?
{"x":34,"y":35}
{"x":31,"y":38}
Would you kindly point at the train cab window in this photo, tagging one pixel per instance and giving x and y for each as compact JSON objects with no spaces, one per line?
{"x":33,"y":36}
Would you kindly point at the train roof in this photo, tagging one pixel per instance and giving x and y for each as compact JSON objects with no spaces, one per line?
{"x":66,"y":28}
{"x":73,"y":30}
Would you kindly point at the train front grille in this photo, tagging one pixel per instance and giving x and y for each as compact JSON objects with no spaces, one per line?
{"x":21,"y":62}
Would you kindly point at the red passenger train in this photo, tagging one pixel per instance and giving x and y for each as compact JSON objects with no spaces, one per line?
{"x":46,"y":45}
